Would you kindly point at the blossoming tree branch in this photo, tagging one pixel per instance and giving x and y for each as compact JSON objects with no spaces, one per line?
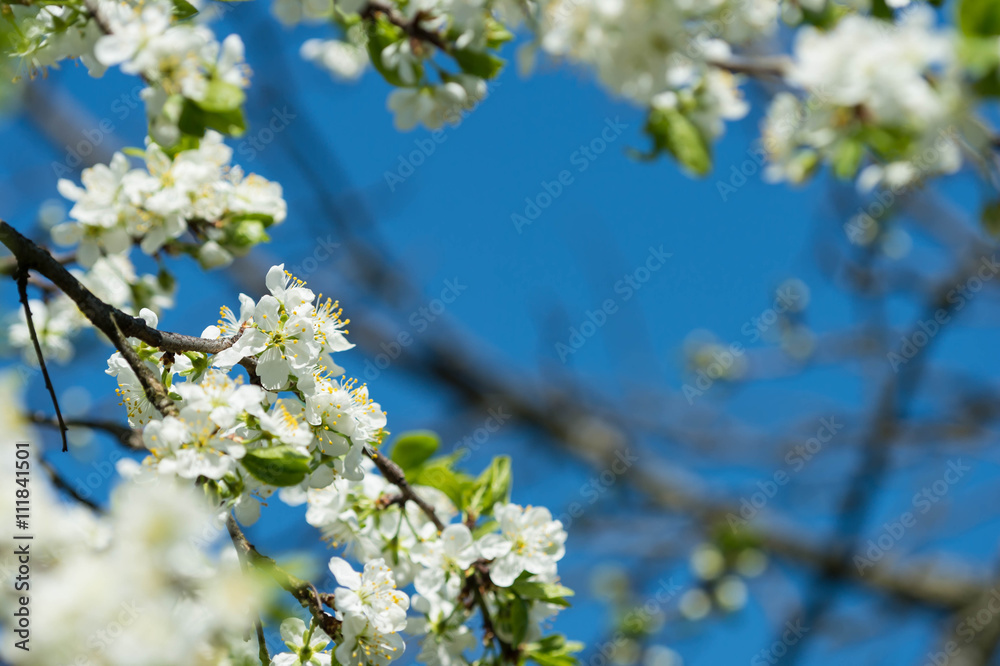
{"x":257,"y":407}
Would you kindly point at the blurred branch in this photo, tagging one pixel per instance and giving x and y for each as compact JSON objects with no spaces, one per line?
{"x":302,"y":590}
{"x":125,"y":435}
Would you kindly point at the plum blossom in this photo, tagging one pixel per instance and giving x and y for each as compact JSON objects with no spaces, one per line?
{"x":454,"y":549}
{"x":529,"y":540}
{"x":363,"y":644}
{"x":306,"y":645}
{"x":371,"y":593}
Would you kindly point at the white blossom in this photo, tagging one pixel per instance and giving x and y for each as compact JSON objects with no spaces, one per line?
{"x":371,"y":593}
{"x":529,"y":540}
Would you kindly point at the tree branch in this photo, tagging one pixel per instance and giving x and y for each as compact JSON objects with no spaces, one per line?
{"x":104,"y":317}
{"x":262,"y":653}
{"x":124,"y":434}
{"x":302,"y":590}
{"x":394,"y":475}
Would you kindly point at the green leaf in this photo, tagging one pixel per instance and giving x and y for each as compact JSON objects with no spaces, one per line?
{"x":550,"y":592}
{"x":497,"y":34}
{"x":382,"y":33}
{"x":881,"y":9}
{"x":492,"y":486}
{"x":192,"y":120}
{"x":263,"y":218}
{"x":244,"y":234}
{"x":195,"y":120}
{"x":222,"y":97}
{"x":230,"y":122}
{"x":439,"y":474}
{"x":847,"y":158}
{"x":485,"y":65}
{"x":277,"y":465}
{"x":512,"y":619}
{"x":824,"y":19}
{"x":552,"y":659}
{"x":413,"y":448}
{"x":990,"y":218}
{"x":184,"y":10}
{"x":186,"y":142}
{"x":979,"y":17}
{"x":553,"y":650}
{"x":674,"y":132}
{"x":488,"y":527}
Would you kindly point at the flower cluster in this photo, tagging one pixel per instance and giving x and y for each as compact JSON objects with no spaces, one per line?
{"x":194,"y":82}
{"x":299,"y":429}
{"x":892,"y":92}
{"x":194,"y":202}
{"x":195,"y":191}
{"x":661,"y":54}
{"x":48,"y":34}
{"x":439,"y":54}
{"x":519,"y":556}
{"x":298,"y":425}
{"x":667,"y":56}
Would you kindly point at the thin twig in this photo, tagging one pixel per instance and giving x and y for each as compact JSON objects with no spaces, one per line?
{"x":394,"y":475}
{"x":302,"y":590}
{"x":411,"y":27}
{"x":21,"y":276}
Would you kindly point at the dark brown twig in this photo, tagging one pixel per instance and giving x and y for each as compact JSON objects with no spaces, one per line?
{"x":21,"y":276}
{"x":106,"y":318}
{"x":394,"y":475}
{"x":373,"y":10}
{"x":302,"y":590}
